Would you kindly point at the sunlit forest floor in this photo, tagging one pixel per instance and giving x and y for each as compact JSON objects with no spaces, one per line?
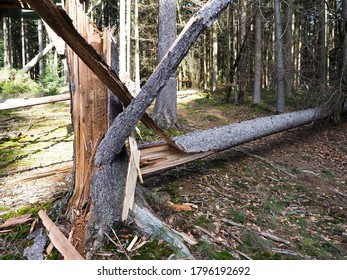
{"x":292,"y":185}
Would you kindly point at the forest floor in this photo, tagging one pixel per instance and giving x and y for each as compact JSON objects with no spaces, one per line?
{"x":281,"y":197}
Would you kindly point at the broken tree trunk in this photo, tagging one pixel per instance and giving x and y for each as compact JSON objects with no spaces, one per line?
{"x":37,"y":58}
{"x":125,"y":123}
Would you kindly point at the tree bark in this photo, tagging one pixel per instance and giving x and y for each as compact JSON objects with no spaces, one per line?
{"x":258,"y":52}
{"x":279,"y":58}
{"x":242,"y":61}
{"x":288,"y":82}
{"x":165,"y":109}
{"x":225,"y":137}
{"x":322,"y":49}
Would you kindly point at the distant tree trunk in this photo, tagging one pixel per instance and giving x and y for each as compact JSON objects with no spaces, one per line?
{"x":206,"y":72}
{"x":258,"y":56}
{"x":288,"y":82}
{"x":122,"y":41}
{"x":344,"y":51}
{"x":6,"y":54}
{"x":228,"y":53}
{"x":128,"y":36}
{"x":165,"y":109}
{"x":10,"y":42}
{"x":241,"y":68}
{"x":40,"y":36}
{"x":137,"y":46}
{"x":214,"y":57}
{"x":23,"y":42}
{"x":322,"y":50}
{"x":279,"y":58}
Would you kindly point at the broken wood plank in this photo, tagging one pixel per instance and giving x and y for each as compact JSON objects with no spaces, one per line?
{"x":132,"y":243}
{"x":16,"y":221}
{"x":28,"y":102}
{"x":58,"y":239}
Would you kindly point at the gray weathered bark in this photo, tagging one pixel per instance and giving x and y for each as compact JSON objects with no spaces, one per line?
{"x":258,"y":51}
{"x":225,"y":137}
{"x":279,"y":57}
{"x":165,"y":109}
{"x":125,"y":123}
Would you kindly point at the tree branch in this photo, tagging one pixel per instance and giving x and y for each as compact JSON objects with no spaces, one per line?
{"x":125,"y":123}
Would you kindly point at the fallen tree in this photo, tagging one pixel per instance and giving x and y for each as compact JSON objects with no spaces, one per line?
{"x":28,"y":102}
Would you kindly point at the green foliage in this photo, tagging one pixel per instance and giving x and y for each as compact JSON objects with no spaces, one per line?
{"x":15,"y":83}
{"x":237,"y":216}
{"x":53,"y":82}
{"x":154,"y":251}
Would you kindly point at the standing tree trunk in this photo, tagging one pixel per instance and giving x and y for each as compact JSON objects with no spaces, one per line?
{"x":344,"y":52}
{"x":122,"y":41}
{"x":6,"y":39}
{"x":137,"y":46}
{"x":165,"y":109}
{"x":242,"y":57}
{"x":258,"y":56}
{"x":40,"y":36}
{"x":23,"y":42}
{"x":279,"y":58}
{"x":322,"y":50}
{"x":128,"y":36}
{"x":288,"y":82}
{"x":214,"y":56}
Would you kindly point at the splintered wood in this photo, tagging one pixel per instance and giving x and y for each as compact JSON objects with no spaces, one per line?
{"x":58,"y":239}
{"x":133,"y":172}
{"x":162,"y":156}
